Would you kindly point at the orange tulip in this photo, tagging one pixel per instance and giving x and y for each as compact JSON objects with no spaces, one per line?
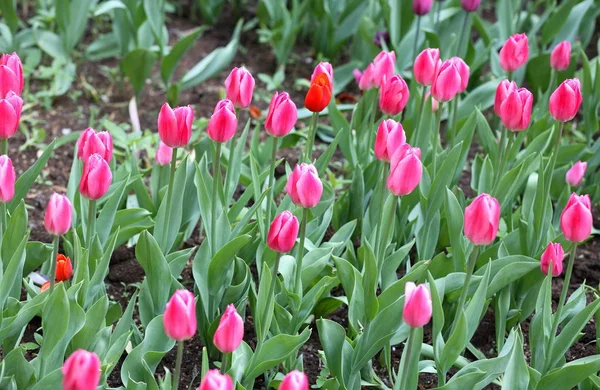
{"x":319,"y":94}
{"x":64,"y":268}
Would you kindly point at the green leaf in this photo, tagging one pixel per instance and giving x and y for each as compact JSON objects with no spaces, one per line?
{"x":10,"y":14}
{"x":109,"y":210}
{"x":137,"y":67}
{"x":155,"y":12}
{"x":516,"y":375}
{"x":220,"y":268}
{"x":557,"y":20}
{"x":101,"y":270}
{"x":456,"y":343}
{"x":10,"y":279}
{"x":171,"y":60}
{"x":570,"y":374}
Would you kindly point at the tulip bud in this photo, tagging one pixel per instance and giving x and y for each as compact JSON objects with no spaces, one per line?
{"x":240,"y":87}
{"x":81,"y":371}
{"x":283,"y":232}
{"x":213,"y":380}
{"x":64,"y":268}
{"x":7,"y":179}
{"x":470,"y":5}
{"x":575,"y":175}
{"x":58,"y":216}
{"x":514,"y":53}
{"x":304,"y":186}
{"x":295,"y":380}
{"x":319,"y":93}
{"x":576,"y":219}
{"x":91,"y":142}
{"x":390,"y":135}
{"x":96,"y":177}
{"x":282,"y":115}
{"x":230,"y":332}
{"x":418,"y":306}
{"x":367,"y":78}
{"x":384,"y":66}
{"x":555,"y":253}
{"x":515,"y":110}
{"x":447,"y":82}
{"x":561,"y":56}
{"x":565,"y":100}
{"x":393,"y":95}
{"x":405,"y":170}
{"x":10,"y":112}
{"x":11,"y":75}
{"x":164,"y":154}
{"x":482,"y":218}
{"x":223,"y":122}
{"x":464,"y":72}
{"x":175,"y":126}
{"x":45,"y":287}
{"x":179,"y":319}
{"x":421,"y":7}
{"x":502,"y":91}
{"x":323,"y":68}
{"x":426,"y":66}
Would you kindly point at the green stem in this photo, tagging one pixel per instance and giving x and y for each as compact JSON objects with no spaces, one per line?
{"x":3,"y":146}
{"x":382,"y":193}
{"x":421,"y":102}
{"x":372,"y":130}
{"x":410,"y":346}
{"x":438,"y":119}
{"x":463,"y":294}
{"x":169,"y":200}
{"x":501,"y":159}
{"x":91,"y":224}
{"x":215,"y":195}
{"x":225,"y":363}
{"x":437,"y":16}
{"x":462,"y":34}
{"x":177,"y":371}
{"x":53,"y":263}
{"x":510,"y":76}
{"x":417,"y":37}
{"x":270,"y":199}
{"x":3,"y":220}
{"x":311,"y":137}
{"x":271,"y":297}
{"x":298,"y":281}
{"x":390,"y":223}
{"x":453,"y":119}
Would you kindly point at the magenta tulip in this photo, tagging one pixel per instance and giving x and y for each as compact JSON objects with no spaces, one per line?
{"x":514,"y":53}
{"x":295,"y":380}
{"x":426,"y":66}
{"x":502,"y":91}
{"x":384,"y":66}
{"x":576,"y":219}
{"x":421,"y":7}
{"x":230,"y":332}
{"x":405,"y":170}
{"x":555,"y":253}
{"x":367,"y":78}
{"x":164,"y":154}
{"x":7,"y":179}
{"x":283,"y":232}
{"x":515,"y":110}
{"x":81,"y":371}
{"x":239,"y":87}
{"x":482,"y":218}
{"x":447,"y":83}
{"x":560,"y":59}
{"x":390,"y":135}
{"x":223,"y":122}
{"x":213,"y":380}
{"x":304,"y":186}
{"x":418,"y":306}
{"x":470,"y":5}
{"x":179,"y":319}
{"x":566,"y":100}
{"x":393,"y":95}
{"x":282,"y":115}
{"x":10,"y":112}
{"x":463,"y":70}
{"x":575,"y":175}
{"x":11,"y":75}
{"x":175,"y":125}
{"x":96,"y":177}
{"x":58,"y":216}
{"x":92,"y":142}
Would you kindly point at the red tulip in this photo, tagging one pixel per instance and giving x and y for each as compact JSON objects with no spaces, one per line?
{"x":418,"y":306}
{"x":96,"y":177}
{"x":91,"y":142}
{"x":11,"y":75}
{"x":64,"y":268}
{"x":393,"y":95}
{"x":390,"y":135}
{"x":482,"y":218}
{"x":282,"y":115}
{"x":555,"y":253}
{"x":576,"y":219}
{"x":223,"y":122}
{"x":239,"y":86}
{"x":426,"y":66}
{"x":447,"y":82}
{"x":81,"y":371}
{"x":7,"y":179}
{"x":230,"y":332}
{"x":58,"y":216}
{"x":561,"y":56}
{"x":565,"y":100}
{"x":175,"y":126}
{"x":405,"y":170}
{"x":179,"y":319}
{"x":514,"y":53}
{"x":283,"y":232}
{"x":319,"y":93}
{"x":213,"y":380}
{"x":515,"y":110}
{"x":10,"y":112}
{"x":575,"y":175}
{"x":304,"y":186}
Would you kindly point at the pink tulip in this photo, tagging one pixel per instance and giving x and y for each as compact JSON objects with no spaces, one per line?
{"x":405,"y":170}
{"x":470,"y":5}
{"x":223,"y":122}
{"x":96,"y":177}
{"x":426,"y":66}
{"x":514,"y":53}
{"x":418,"y":306}
{"x":393,"y":95}
{"x":283,"y":232}
{"x":295,"y":380}
{"x":7,"y":179}
{"x":367,"y":78}
{"x":555,"y":253}
{"x":463,"y":70}
{"x":357,"y":76}
{"x":515,"y":110}
{"x":576,"y":219}
{"x":92,"y":142}
{"x":10,"y":112}
{"x":164,"y":154}
{"x":561,"y":56}
{"x":575,"y":175}
{"x":323,"y":68}
{"x":384,"y":66}
{"x":421,"y":7}
{"x":447,"y":83}
{"x":240,"y":87}
{"x":81,"y":371}
{"x":502,"y":91}
{"x":175,"y":126}
{"x":11,"y":75}
{"x":390,"y":135}
{"x":282,"y":115}
{"x":213,"y":380}
{"x":482,"y":218}
{"x":179,"y":319}
{"x":230,"y":332}
{"x":304,"y":186}
{"x":58,"y":216}
{"x":565,"y":100}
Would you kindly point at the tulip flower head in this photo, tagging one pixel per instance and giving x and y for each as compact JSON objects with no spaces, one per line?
{"x":390,"y":135}
{"x":294,"y":380}
{"x":323,"y":68}
{"x":283,"y":232}
{"x":482,"y":218}
{"x":7,"y":179}
{"x":214,"y":380}
{"x":384,"y":66}
{"x":555,"y":253}
{"x":164,"y":154}
{"x":179,"y":319}
{"x":463,"y":70}
{"x":11,"y":75}
{"x":239,"y":86}
{"x":230,"y":332}
{"x":426,"y":66}
{"x":282,"y":115}
{"x":304,"y":186}
{"x":223,"y":122}
{"x":45,"y":287}
{"x":421,"y":7}
{"x":515,"y":109}
{"x":447,"y":83}
{"x":92,"y":142}
{"x":64,"y":268}
{"x":470,"y":5}
{"x":10,"y":112}
{"x":319,"y":93}
{"x":576,"y":218}
{"x":575,"y":175}
{"x":566,"y":100}
{"x":58,"y":216}
{"x":504,"y":89}
{"x":393,"y":95}
{"x":405,"y":170}
{"x":175,"y":125}
{"x":81,"y":371}
{"x":514,"y":53}
{"x":96,"y":177}
{"x":560,"y":59}
{"x":418,"y":306}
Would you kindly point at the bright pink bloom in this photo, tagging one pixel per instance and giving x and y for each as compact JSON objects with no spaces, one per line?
{"x":213,"y":380}
{"x":295,"y":380}
{"x":96,"y":177}
{"x":405,"y":170}
{"x":575,"y":175}
{"x":447,"y":83}
{"x":502,"y":91}
{"x":418,"y":306}
{"x":561,"y":56}
{"x":7,"y":179}
{"x":515,"y":110}
{"x":390,"y":135}
{"x":164,"y":154}
{"x":323,"y":68}
{"x":10,"y":112}
{"x":470,"y":5}
{"x":283,"y":232}
{"x":239,"y":86}
{"x":357,"y":75}
{"x":482,"y":218}
{"x":426,"y":66}
{"x":92,"y":142}
{"x":555,"y":253}
{"x":384,"y":66}
{"x":282,"y":115}
{"x":304,"y":186}
{"x":514,"y":53}
{"x":463,"y":70}
{"x":223,"y":122}
{"x":175,"y":126}
{"x":58,"y":216}
{"x":81,"y":371}
{"x":367,"y":78}
{"x":11,"y":75}
{"x":565,"y":100}
{"x":421,"y":7}
{"x":179,"y":319}
{"x":230,"y":332}
{"x":576,"y":219}
{"x":393,"y":95}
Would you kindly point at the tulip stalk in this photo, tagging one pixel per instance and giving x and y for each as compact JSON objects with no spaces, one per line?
{"x":53,"y":262}
{"x":463,"y":294}
{"x":3,"y":220}
{"x":421,"y":102}
{"x":178,"y":361}
{"x":417,"y":36}
{"x":298,"y":280}
{"x":271,"y":199}
{"x":91,"y":224}
{"x":378,"y":229}
{"x":3,"y":146}
{"x":215,"y":195}
{"x":270,"y":297}
{"x":436,"y":143}
{"x":226,"y":361}
{"x":311,"y":137}
{"x":411,"y":347}
{"x":169,"y":198}
{"x":462,"y":34}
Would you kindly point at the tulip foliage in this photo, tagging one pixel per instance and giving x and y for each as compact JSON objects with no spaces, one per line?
{"x":384,"y":232}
